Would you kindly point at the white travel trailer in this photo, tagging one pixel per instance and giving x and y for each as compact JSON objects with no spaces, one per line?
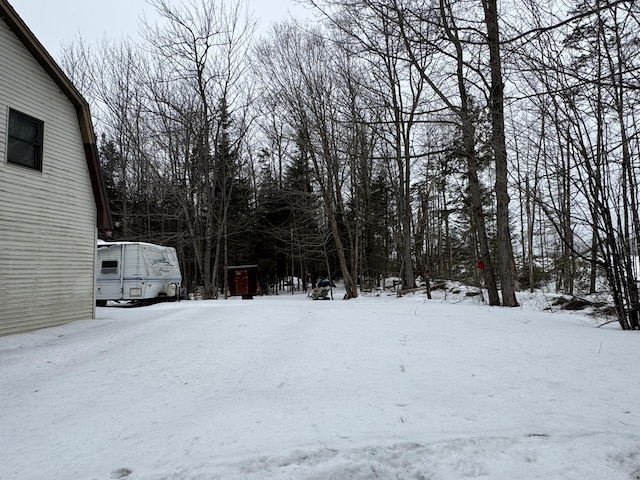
{"x":136,"y":271}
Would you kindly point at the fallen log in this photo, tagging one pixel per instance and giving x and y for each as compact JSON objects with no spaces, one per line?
{"x":411,"y":290}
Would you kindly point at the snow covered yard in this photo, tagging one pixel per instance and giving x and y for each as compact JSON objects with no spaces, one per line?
{"x":284,"y":387}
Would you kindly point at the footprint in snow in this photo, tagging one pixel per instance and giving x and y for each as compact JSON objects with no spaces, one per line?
{"x":121,"y":473}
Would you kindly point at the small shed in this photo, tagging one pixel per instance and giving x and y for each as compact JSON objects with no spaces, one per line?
{"x":243,"y":281}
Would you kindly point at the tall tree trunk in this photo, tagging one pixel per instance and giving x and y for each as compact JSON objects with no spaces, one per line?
{"x":631,"y":219}
{"x":408,"y":278}
{"x":505,"y":248}
{"x":349,"y":285}
{"x":477,"y":215}
{"x":467,"y":126}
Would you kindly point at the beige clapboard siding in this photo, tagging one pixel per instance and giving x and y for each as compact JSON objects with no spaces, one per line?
{"x":48,"y":218}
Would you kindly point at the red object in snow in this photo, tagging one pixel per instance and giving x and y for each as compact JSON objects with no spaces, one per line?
{"x":481,"y":265}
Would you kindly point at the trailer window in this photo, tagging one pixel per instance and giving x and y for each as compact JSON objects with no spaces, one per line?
{"x":109,"y":266}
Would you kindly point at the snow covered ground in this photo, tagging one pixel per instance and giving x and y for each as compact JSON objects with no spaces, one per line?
{"x":283,"y":387}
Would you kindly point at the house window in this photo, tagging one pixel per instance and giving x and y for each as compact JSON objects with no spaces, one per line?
{"x":25,"y":140}
{"x":109,"y":266}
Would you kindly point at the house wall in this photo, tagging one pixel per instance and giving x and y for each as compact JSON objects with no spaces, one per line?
{"x":48,"y":218}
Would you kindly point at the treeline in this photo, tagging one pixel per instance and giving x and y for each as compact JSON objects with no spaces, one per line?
{"x":491,"y":142}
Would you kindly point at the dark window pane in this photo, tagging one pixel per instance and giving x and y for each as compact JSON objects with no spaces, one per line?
{"x":24,"y":129}
{"x":109,"y":266}
{"x":22,"y":153}
{"x":25,"y":140}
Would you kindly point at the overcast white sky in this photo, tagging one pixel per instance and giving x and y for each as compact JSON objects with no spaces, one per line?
{"x":58,"y":22}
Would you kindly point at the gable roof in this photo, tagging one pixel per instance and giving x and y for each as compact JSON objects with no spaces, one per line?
{"x":46,"y":61}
